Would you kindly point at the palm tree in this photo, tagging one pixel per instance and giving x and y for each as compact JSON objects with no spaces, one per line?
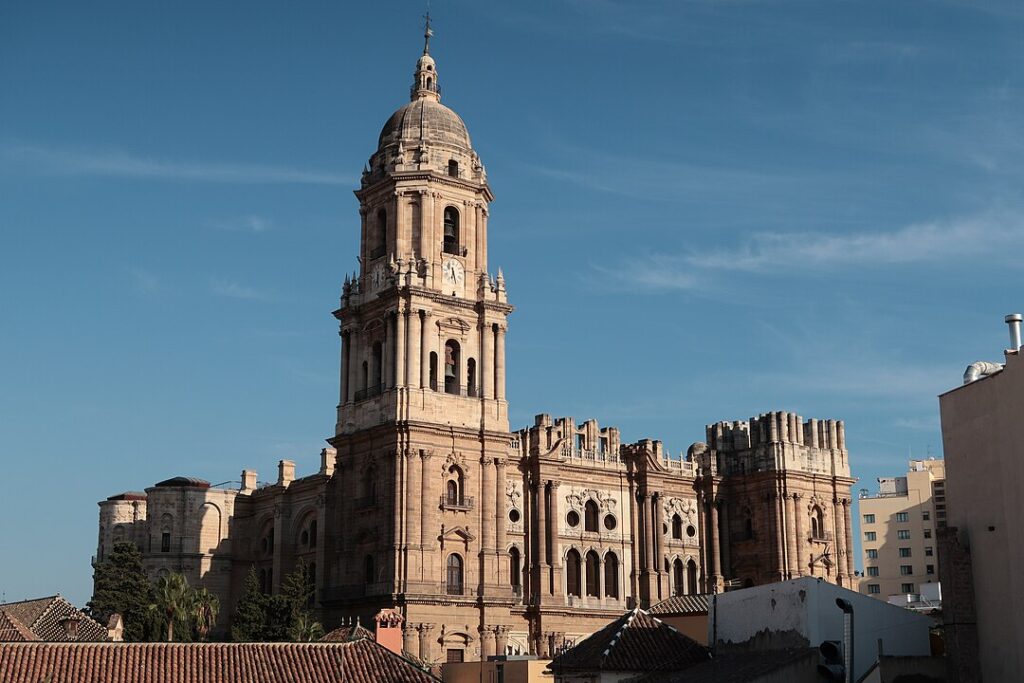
{"x":204,"y":608}
{"x":173,"y":598}
{"x":306,"y":629}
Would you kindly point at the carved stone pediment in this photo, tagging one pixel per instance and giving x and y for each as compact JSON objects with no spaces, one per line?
{"x":453,"y":325}
{"x":458,"y":536}
{"x":604,"y":501}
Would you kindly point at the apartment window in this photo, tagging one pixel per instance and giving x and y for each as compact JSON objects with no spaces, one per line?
{"x":927,"y":533}
{"x":926,"y":515}
{"x":928,"y":552}
{"x":906,"y":588}
{"x":870,"y":536}
{"x":903,"y":534}
{"x":872,"y":571}
{"x":874,"y":589}
{"x":906,"y":570}
{"x":904,"y":552}
{"x":902,"y":516}
{"x":872,"y":553}
{"x":929,"y":569}
{"x":869,"y":519}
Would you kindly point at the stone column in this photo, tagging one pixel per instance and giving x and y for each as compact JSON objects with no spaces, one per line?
{"x":426,"y":528}
{"x":542,"y":537}
{"x":716,"y":546}
{"x":659,"y":543}
{"x":426,"y":642}
{"x":389,"y":351}
{"x":848,"y":545}
{"x":486,"y":512}
{"x":400,"y":344}
{"x":499,"y":364}
{"x":839,"y":540}
{"x":486,"y":369}
{"x":487,"y":642}
{"x":723,"y":532}
{"x":501,"y":534}
{"x":791,"y":533}
{"x":780,"y":537}
{"x":635,"y":541}
{"x":426,"y":346}
{"x":801,"y":559}
{"x":413,"y":487}
{"x":344,"y":367}
{"x":425,"y":251}
{"x":353,"y":364}
{"x":415,"y":338}
{"x":501,"y":639}
{"x":553,"y":546}
{"x":410,"y":638}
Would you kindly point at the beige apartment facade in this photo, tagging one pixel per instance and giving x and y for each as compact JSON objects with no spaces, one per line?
{"x":488,"y":541}
{"x":898,"y":534}
{"x":981,"y":550}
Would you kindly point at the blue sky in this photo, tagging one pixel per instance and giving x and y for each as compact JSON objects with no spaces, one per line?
{"x":705,"y":210}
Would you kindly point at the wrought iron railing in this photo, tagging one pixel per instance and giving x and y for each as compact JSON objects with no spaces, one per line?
{"x":457,"y":502}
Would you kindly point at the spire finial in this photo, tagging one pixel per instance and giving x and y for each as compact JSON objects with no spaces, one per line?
{"x":427,"y":31}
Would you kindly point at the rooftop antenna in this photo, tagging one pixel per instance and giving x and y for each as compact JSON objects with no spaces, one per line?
{"x":427,"y":31}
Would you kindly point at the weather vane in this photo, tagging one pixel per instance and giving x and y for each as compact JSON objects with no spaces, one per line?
{"x":427,"y":31}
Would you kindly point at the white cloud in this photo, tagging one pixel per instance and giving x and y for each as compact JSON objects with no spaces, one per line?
{"x":235,"y":290}
{"x":115,"y":163}
{"x":251,"y":223}
{"x":146,"y":282}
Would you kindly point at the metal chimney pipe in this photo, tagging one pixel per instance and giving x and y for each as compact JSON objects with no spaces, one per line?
{"x":1013,"y":320}
{"x":848,"y":634}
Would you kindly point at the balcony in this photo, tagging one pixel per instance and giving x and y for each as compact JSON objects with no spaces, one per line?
{"x":463,"y":503}
{"x":821,"y":537}
{"x":369,"y":392}
{"x":455,"y":389}
{"x":456,"y":588}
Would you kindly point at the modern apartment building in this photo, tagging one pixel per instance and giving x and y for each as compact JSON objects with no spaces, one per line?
{"x":898,"y":530}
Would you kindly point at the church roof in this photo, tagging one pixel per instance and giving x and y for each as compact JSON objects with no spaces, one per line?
{"x":362,"y":661}
{"x":636,"y":641}
{"x":192,"y":482}
{"x":425,"y":120}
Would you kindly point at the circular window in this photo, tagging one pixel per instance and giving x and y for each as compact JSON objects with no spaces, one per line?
{"x":690,"y":531}
{"x":609,"y":522}
{"x":513,"y":515}
{"x":573,"y":518}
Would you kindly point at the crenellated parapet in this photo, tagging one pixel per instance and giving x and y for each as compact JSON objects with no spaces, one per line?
{"x":780,"y":441}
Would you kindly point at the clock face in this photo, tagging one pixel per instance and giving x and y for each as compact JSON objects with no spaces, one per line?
{"x":377,"y":276}
{"x":453,"y":272}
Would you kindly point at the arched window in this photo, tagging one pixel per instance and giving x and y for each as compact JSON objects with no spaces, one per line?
{"x":514,"y":576}
{"x":572,"y":574}
{"x":378,"y":366}
{"x":471,"y":377}
{"x":451,"y":367}
{"x":433,"y":370}
{"x":590,"y":516}
{"x":593,"y":574}
{"x":312,"y":534}
{"x":817,"y":522}
{"x":678,"y":577}
{"x":453,"y":572}
{"x":369,"y":571}
{"x":365,"y":377}
{"x":691,"y":577}
{"x":611,"y":575}
{"x":453,"y":168}
{"x":455,"y":489}
{"x":451,"y":230}
{"x":377,"y":236}
{"x":452,"y":493}
{"x":677,"y":527}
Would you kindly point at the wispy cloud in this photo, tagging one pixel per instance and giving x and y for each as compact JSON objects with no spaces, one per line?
{"x":145,"y":282}
{"x":251,"y":223}
{"x":236,"y":290}
{"x":992,"y":235}
{"x":116,"y":163}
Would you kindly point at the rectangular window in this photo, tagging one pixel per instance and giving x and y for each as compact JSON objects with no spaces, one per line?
{"x":455,"y":655}
{"x":872,"y":553}
{"x":869,"y":519}
{"x":903,"y":534}
{"x":926,"y":515}
{"x":906,"y":588}
{"x":902,"y":516}
{"x":904,"y":552}
{"x":927,"y":533}
{"x":165,"y":542}
{"x":929,"y":569}
{"x":928,"y":552}
{"x":874,"y":589}
{"x":872,"y":571}
{"x":869,"y":536}
{"x":906,"y":570}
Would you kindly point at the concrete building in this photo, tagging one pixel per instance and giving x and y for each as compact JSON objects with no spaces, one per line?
{"x":487,"y":541}
{"x":503,"y":669}
{"x":980,"y":551}
{"x":898,"y":531}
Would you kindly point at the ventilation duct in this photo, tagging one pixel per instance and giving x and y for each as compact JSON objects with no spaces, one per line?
{"x":979,"y":369}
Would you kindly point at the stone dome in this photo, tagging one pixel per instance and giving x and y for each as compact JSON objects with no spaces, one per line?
{"x":425,"y":120}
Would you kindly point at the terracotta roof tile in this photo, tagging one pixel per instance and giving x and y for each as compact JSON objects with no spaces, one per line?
{"x":636,"y":641}
{"x":682,"y":604}
{"x":361,"y":661}
{"x":46,"y":617}
{"x":12,"y":630}
{"x":346,"y":634}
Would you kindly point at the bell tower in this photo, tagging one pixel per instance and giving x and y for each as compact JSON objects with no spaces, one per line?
{"x":422,"y":429}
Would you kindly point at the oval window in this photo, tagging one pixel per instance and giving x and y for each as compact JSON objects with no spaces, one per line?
{"x":513,"y":515}
{"x":609,"y":522}
{"x":690,"y":531}
{"x":573,"y":518}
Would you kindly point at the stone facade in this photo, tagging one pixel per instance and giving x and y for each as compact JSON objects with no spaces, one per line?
{"x":488,"y":541}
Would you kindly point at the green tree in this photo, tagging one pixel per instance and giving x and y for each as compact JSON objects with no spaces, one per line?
{"x":203,"y":609}
{"x":171,"y":602}
{"x":120,"y":586}
{"x":251,"y":611}
{"x":306,"y":629}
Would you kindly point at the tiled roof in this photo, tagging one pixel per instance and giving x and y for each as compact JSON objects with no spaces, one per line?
{"x":738,"y":668}
{"x":345,"y":634}
{"x":12,"y":630}
{"x":682,"y":604}
{"x":636,"y":641}
{"x":45,"y":617}
{"x":361,"y":661}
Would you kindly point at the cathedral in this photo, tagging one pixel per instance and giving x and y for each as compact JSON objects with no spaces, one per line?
{"x":487,"y":541}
